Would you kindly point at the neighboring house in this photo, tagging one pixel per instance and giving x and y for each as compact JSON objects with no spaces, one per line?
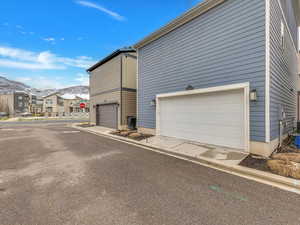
{"x":224,"y":73}
{"x":53,"y":105}
{"x":15,"y":104}
{"x":72,"y":103}
{"x":7,"y":104}
{"x":35,"y":104}
{"x":39,"y":104}
{"x":113,"y":89}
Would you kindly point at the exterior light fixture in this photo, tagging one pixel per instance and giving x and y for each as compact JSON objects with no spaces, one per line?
{"x":153,"y":102}
{"x":253,"y":95}
{"x":189,"y":88}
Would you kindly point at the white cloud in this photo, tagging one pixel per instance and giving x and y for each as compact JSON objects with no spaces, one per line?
{"x":50,"y":40}
{"x":82,"y":78}
{"x":42,"y":82}
{"x":16,"y":53}
{"x":23,"y":59}
{"x":80,"y":61}
{"x":102,"y":9}
{"x":26,"y":65}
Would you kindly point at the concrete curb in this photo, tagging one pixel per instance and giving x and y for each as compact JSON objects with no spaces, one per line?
{"x":260,"y":176}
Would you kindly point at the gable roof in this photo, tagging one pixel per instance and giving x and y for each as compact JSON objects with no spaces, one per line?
{"x":54,"y":93}
{"x":201,"y":8}
{"x":75,"y":96}
{"x":109,"y":57}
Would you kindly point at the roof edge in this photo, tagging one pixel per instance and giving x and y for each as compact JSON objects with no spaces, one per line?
{"x":109,"y":57}
{"x":179,"y":21}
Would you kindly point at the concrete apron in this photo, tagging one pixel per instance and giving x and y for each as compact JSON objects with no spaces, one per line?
{"x":196,"y":150}
{"x":229,"y":166}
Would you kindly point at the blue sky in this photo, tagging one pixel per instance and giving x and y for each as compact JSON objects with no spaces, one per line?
{"x":50,"y":43}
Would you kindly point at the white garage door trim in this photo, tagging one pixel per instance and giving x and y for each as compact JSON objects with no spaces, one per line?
{"x":244,"y":86}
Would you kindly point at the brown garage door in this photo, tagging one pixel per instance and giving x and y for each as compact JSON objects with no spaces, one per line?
{"x":107,"y":115}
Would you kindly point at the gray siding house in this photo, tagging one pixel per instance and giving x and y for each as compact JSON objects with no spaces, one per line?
{"x":113,"y":89}
{"x":226,"y":73}
{"x":15,"y":104}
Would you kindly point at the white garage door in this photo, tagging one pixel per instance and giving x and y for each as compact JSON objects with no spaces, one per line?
{"x":214,"y":118}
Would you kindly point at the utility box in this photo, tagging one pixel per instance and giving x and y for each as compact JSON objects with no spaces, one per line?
{"x":131,"y":121}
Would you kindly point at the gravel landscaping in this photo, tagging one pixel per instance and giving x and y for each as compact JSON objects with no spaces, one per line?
{"x":285,"y":161}
{"x":132,"y":134}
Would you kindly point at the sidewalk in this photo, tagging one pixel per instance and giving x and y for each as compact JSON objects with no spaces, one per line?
{"x":224,"y":159}
{"x":196,"y":150}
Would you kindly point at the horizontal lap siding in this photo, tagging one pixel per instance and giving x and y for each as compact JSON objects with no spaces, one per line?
{"x":283,"y":90}
{"x":287,"y":7}
{"x":129,"y":105}
{"x":102,"y":99}
{"x":223,"y":46}
{"x":106,"y":77}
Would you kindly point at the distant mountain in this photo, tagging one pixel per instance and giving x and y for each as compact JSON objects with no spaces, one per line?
{"x":9,"y":86}
{"x":75,"y":90}
{"x":69,"y":90}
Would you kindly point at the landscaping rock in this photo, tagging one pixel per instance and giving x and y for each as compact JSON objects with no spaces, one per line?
{"x":293,"y":157}
{"x":285,"y":168}
{"x":135,"y":135}
{"x":124,"y":133}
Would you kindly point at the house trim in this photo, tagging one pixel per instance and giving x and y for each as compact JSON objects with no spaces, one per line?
{"x":137,"y":87}
{"x":109,"y":103}
{"x":109,"y":57}
{"x":268,"y":72}
{"x":113,"y":90}
{"x":121,"y":92}
{"x":244,"y":86}
{"x":181,"y":20}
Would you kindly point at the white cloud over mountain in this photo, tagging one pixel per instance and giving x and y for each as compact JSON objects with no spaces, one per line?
{"x":46,"y":60}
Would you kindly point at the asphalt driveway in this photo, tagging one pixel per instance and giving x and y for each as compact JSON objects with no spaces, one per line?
{"x":53,"y":175}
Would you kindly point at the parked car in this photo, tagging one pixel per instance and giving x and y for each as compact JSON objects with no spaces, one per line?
{"x":3,"y":114}
{"x":26,"y":114}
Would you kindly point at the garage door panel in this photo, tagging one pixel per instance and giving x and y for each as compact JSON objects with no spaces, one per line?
{"x":202,"y":119}
{"x":213,"y":118}
{"x":108,"y":115}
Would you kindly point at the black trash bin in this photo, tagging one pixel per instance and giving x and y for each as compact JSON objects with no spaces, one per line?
{"x":131,"y":122}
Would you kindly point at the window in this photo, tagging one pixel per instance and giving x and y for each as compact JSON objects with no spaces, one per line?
{"x":282,"y":35}
{"x":20,"y":97}
{"x":49,"y":101}
{"x":20,"y":104}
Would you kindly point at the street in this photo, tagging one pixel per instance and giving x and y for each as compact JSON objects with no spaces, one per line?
{"x":2,"y":123}
{"x":51,"y":174}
